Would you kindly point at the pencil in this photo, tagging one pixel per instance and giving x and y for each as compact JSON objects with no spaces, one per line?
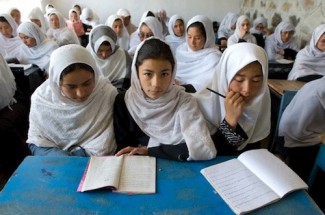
{"x":216,"y":93}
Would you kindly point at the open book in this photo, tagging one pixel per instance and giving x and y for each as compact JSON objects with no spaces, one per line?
{"x":125,"y":174}
{"x":255,"y":179}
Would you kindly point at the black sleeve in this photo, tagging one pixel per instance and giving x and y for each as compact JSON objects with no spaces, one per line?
{"x":290,"y":54}
{"x":177,"y":152}
{"x":189,"y":88}
{"x":228,"y":140}
{"x":242,"y":41}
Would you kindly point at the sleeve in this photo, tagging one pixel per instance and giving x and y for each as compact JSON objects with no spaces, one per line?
{"x":177,"y":152}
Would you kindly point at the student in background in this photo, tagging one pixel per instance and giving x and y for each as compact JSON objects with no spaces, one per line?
{"x":16,"y":15}
{"x":72,"y":111}
{"x":81,"y":29}
{"x":242,"y":32}
{"x":149,"y":27}
{"x":59,"y":32}
{"x":155,"y":117}
{"x":176,"y":29}
{"x":197,"y":58}
{"x":301,"y":124}
{"x":77,"y":8}
{"x":13,"y":122}
{"x":227,"y":28}
{"x":241,"y":76}
{"x":89,"y":17}
{"x":281,"y":44}
{"x":10,"y":43}
{"x":126,"y":16}
{"x":123,"y":37}
{"x":164,"y":19}
{"x":259,"y":30}
{"x":310,"y":61}
{"x":113,"y":61}
{"x":37,"y":48}
{"x":36,"y":16}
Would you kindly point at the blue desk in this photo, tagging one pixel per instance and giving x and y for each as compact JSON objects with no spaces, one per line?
{"x":47,"y":185}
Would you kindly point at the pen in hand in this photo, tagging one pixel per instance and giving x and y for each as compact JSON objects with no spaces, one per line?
{"x":216,"y":93}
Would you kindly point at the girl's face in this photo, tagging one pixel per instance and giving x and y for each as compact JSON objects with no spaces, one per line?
{"x":6,"y":29}
{"x":286,"y":36}
{"x":244,"y":26}
{"x":321,"y":43}
{"x":28,"y":41}
{"x":248,"y":81}
{"x":145,"y":32}
{"x":16,"y":15}
{"x":104,"y":51}
{"x":78,"y":84}
{"x":155,"y":76}
{"x":195,"y":39}
{"x":73,"y":17}
{"x":259,"y":27}
{"x":178,"y":28}
{"x":118,"y":27}
{"x":37,"y":22}
{"x":54,"y":19}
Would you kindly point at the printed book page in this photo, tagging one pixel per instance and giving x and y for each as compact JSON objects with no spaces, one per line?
{"x":24,"y":66}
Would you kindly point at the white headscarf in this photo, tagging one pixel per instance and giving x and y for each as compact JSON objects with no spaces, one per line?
{"x":88,"y":13}
{"x":115,"y":67}
{"x":41,"y":52}
{"x":166,"y":119}
{"x":233,"y":39}
{"x":10,"y":47}
{"x":257,"y":21}
{"x":7,"y":84}
{"x":57,"y":121}
{"x":302,"y":121}
{"x":123,"y":40}
{"x":197,"y":67}
{"x":255,"y":119}
{"x":225,"y":26}
{"x":62,"y":35}
{"x":36,"y":13}
{"x":173,"y":40}
{"x":310,"y":60}
{"x":274,"y":43}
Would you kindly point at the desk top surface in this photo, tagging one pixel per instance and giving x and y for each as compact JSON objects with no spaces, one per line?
{"x":279,"y":86}
{"x":48,"y":185}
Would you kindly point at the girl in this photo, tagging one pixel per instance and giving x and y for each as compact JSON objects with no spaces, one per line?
{"x":242,"y":78}
{"x":310,"y":61}
{"x":116,"y":23}
{"x":227,"y":28}
{"x":176,"y":32}
{"x":16,"y":15}
{"x":197,"y":58}
{"x":72,"y":112}
{"x":113,"y":62}
{"x":259,"y":30}
{"x":155,"y":117}
{"x":81,"y":29}
{"x":36,"y":16}
{"x":242,"y":32}
{"x":37,"y":48}
{"x":281,"y":43}
{"x":59,"y":31}
{"x":10,"y":43}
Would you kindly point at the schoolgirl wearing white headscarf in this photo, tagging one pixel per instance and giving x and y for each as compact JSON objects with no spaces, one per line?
{"x":89,"y":17}
{"x":173,"y":122}
{"x":196,"y":67}
{"x":155,"y":27}
{"x":171,"y":39}
{"x":310,"y":60}
{"x":259,"y":20}
{"x":7,"y":84}
{"x":36,"y":15}
{"x":274,"y":43}
{"x":117,"y":67}
{"x":41,"y":52}
{"x":10,"y":44}
{"x":241,"y":32}
{"x":59,"y":122}
{"x":124,"y":39}
{"x":61,"y":34}
{"x":225,"y":29}
{"x":255,"y":119}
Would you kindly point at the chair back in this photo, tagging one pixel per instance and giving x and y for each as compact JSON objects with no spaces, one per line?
{"x":319,"y":165}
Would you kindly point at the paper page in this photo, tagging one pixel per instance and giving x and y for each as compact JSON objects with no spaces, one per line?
{"x":284,"y":61}
{"x":24,"y":66}
{"x":102,"y":172}
{"x":274,"y":172}
{"x":138,"y":175}
{"x":239,"y":187}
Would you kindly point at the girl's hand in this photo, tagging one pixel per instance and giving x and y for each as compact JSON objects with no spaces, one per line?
{"x":234,"y":105}
{"x":281,"y":52}
{"x":143,"y":150}
{"x":176,"y":82}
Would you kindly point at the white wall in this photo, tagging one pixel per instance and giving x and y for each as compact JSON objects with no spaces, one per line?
{"x":215,"y":9}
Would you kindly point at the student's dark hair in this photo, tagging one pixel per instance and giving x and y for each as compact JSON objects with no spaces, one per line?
{"x":3,"y":19}
{"x":150,"y":13}
{"x":200,"y":26}
{"x":106,"y":43}
{"x":75,"y":66}
{"x":154,"y":49}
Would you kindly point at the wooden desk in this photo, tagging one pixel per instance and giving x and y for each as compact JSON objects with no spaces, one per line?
{"x":279,"y":86}
{"x":48,"y":185}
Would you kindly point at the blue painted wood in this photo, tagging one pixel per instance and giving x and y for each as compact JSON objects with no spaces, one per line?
{"x":47,"y":185}
{"x":318,"y":166}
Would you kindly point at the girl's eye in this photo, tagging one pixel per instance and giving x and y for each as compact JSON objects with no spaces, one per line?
{"x":239,"y":80}
{"x":257,"y":80}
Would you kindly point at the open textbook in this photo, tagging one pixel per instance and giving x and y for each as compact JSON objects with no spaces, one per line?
{"x":124,"y":174}
{"x":256,"y":178}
